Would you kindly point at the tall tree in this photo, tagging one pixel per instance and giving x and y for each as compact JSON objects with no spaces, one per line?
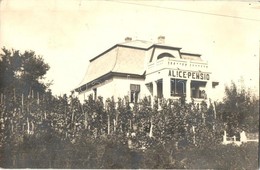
{"x":239,"y":110}
{"x":22,"y":72}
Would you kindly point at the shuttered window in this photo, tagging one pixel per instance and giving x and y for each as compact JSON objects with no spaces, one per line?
{"x":134,"y":92}
{"x":135,"y":87}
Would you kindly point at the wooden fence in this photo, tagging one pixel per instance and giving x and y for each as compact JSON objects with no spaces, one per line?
{"x":244,"y":138}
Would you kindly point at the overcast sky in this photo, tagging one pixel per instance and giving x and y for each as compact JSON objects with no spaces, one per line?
{"x":69,"y":33}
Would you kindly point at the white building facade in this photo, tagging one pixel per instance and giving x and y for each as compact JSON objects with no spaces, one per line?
{"x":139,"y":69}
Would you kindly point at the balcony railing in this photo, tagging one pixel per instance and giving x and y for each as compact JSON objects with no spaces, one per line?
{"x":174,"y":63}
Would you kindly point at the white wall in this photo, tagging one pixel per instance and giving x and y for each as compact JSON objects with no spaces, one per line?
{"x":117,"y":87}
{"x":104,"y":89}
{"x":122,"y":86}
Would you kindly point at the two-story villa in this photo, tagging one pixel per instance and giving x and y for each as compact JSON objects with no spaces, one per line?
{"x":138,"y":68}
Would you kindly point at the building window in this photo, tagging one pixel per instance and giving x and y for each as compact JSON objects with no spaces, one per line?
{"x":134,"y":97}
{"x":134,"y":92}
{"x":198,"y":90}
{"x":159,"y":88}
{"x":178,"y":87}
{"x":165,"y":55}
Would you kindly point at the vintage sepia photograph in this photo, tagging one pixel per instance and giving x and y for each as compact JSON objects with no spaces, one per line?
{"x":129,"y":84}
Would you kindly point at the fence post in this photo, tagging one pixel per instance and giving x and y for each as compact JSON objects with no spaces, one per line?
{"x":28,"y":126}
{"x":22,"y":102}
{"x":243,"y":137}
{"x":151,"y":129}
{"x":14,"y":95}
{"x":108,"y":124}
{"x":225,"y":137}
{"x":194,"y":135}
{"x":38,"y":98}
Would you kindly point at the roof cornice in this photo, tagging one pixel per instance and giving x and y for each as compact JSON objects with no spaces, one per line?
{"x":103,"y":53}
{"x":119,"y":45}
{"x":109,"y":75}
{"x":166,"y":47}
{"x":185,"y":53}
{"x":139,"y":48}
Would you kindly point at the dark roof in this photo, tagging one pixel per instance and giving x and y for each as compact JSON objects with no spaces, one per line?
{"x":118,"y":59}
{"x":125,"y":58}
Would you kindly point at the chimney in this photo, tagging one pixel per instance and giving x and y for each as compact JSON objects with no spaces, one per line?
{"x":161,"y":39}
{"x":128,"y":39}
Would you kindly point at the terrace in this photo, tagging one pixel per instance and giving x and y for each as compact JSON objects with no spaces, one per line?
{"x":173,"y":63}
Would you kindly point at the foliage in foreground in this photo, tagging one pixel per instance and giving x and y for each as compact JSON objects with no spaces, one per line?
{"x":63,"y":133}
{"x":38,"y":130}
{"x":109,"y":153}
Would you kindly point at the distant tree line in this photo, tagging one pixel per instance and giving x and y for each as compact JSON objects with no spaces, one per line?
{"x":39,"y":130}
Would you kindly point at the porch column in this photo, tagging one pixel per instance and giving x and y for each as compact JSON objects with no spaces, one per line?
{"x":154,"y":88}
{"x":167,"y":87}
{"x":188,"y":90}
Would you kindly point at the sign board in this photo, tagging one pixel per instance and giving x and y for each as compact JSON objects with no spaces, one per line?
{"x":195,"y":75}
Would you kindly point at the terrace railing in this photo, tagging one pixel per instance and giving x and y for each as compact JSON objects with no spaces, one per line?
{"x":182,"y":64}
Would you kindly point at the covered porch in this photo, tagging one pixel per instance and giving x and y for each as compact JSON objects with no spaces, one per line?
{"x":175,"y":88}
